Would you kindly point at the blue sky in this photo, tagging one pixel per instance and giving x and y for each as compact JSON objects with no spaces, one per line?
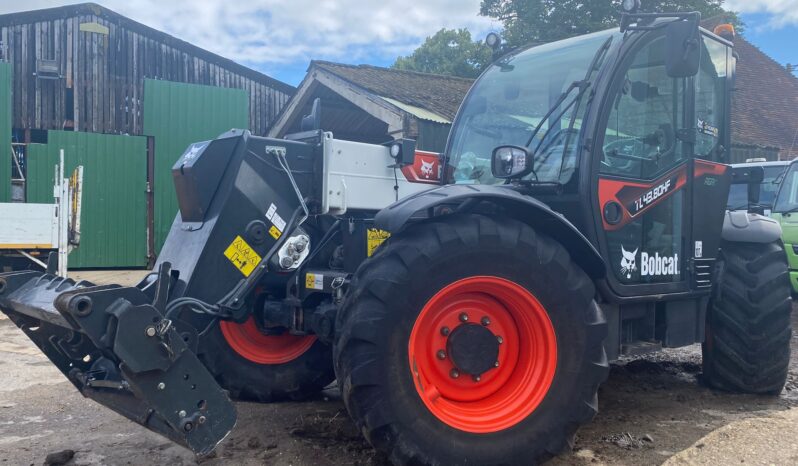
{"x":280,"y":37}
{"x":781,"y":42}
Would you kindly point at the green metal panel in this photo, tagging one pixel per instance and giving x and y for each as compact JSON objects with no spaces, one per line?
{"x":6,"y":76}
{"x":432,"y":136}
{"x":176,"y":115}
{"x":114,"y":214}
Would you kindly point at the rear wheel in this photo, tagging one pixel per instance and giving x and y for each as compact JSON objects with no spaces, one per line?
{"x":254,"y":366}
{"x":747,"y":347}
{"x":466,"y":339}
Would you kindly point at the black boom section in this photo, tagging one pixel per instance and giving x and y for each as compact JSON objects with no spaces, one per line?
{"x":462,"y":198}
{"x":236,"y":201}
{"x":116,"y":347}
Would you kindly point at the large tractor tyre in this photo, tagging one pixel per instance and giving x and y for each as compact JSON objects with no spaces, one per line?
{"x":748,"y":332}
{"x":253,"y":366}
{"x":469,"y":339}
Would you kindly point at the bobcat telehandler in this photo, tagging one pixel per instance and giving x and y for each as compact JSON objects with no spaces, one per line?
{"x":579,"y":216}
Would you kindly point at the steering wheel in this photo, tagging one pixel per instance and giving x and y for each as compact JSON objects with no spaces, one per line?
{"x":623,"y":152}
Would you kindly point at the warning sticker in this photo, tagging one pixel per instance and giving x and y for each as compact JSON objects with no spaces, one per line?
{"x":242,"y":256}
{"x":275,"y":232}
{"x":374,"y":238}
{"x":278,"y":221}
{"x":271,"y":211}
{"x":314,"y":281}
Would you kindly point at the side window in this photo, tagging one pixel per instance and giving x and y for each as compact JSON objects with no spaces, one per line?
{"x":710,"y":101}
{"x":640,"y":141}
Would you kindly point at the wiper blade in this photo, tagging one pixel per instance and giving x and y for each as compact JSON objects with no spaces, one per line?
{"x":581,"y":85}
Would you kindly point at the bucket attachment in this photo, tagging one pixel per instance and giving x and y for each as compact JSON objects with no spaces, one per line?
{"x":115,"y":345}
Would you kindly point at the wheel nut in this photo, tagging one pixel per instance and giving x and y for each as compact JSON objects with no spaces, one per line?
{"x":496,"y":364}
{"x":464,"y":317}
{"x":441,"y":354}
{"x":476,"y":378}
{"x":201,"y":419}
{"x":150,"y":331}
{"x":161,"y":386}
{"x":445,"y":331}
{"x":485,"y":321}
{"x":499,"y":339}
{"x":454,"y":373}
{"x":182,"y":413}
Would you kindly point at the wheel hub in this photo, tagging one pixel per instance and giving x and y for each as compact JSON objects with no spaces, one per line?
{"x":482,"y":354}
{"x":473,"y":349}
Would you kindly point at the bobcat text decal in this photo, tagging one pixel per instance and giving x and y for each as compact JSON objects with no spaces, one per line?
{"x":651,"y":265}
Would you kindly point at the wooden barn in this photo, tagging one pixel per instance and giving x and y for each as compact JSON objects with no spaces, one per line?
{"x":82,"y":67}
{"x":124,"y":100}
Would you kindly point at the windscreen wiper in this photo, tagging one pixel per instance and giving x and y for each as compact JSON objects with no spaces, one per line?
{"x":581,"y":85}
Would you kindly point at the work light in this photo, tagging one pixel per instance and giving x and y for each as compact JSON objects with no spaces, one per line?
{"x":630,"y":6}
{"x":493,"y":40}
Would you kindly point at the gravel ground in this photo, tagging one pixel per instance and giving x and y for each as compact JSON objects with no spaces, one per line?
{"x":654,"y":410}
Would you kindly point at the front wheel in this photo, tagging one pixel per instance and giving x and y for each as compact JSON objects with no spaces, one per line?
{"x":467,"y":339}
{"x":254,"y":366}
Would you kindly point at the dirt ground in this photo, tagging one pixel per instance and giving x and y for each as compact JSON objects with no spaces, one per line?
{"x":653,"y":410}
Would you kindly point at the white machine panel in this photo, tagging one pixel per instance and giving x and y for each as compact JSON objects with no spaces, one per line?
{"x":28,"y":226}
{"x":358,"y":176}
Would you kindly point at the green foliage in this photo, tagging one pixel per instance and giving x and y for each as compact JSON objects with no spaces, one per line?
{"x":450,"y":52}
{"x":530,"y":21}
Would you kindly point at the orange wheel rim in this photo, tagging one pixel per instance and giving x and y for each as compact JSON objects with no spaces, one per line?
{"x":252,"y":344}
{"x":514,"y":387}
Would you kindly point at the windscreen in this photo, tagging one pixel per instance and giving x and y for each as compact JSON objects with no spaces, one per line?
{"x":787,"y":199}
{"x":738,"y":195}
{"x":512,"y":98}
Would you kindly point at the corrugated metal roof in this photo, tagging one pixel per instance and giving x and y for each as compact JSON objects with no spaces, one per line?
{"x":418,"y":112}
{"x":6,"y":75}
{"x":178,"y":115}
{"x":114,"y":216}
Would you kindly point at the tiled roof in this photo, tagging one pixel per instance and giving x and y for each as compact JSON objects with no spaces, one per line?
{"x":438,"y":94}
{"x":764,"y":110}
{"x":765,"y":103}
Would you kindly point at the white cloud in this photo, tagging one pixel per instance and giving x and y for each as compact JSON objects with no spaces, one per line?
{"x":274,"y":32}
{"x":782,"y":12}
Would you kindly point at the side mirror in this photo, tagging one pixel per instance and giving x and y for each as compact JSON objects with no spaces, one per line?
{"x":510,"y":162}
{"x":682,"y":49}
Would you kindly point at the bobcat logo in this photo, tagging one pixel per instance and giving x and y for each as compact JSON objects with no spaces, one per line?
{"x":628,"y":262}
{"x":426,"y":168}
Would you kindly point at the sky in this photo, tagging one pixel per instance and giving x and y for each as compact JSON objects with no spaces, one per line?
{"x":279,"y":37}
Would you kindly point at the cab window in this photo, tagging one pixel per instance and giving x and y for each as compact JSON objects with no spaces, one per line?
{"x":710,"y":100}
{"x":640,"y":140}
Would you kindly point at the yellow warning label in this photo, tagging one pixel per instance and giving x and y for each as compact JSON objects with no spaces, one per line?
{"x":274,"y":232}
{"x":374,"y":238}
{"x":314,"y":281}
{"x":242,"y":256}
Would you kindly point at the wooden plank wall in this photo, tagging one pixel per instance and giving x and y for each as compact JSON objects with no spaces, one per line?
{"x":106,"y":73}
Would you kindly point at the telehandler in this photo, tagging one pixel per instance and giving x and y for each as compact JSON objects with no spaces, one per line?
{"x":467,"y":304}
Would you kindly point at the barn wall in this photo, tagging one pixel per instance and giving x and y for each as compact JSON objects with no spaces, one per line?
{"x":103,"y":60}
{"x":177,"y":115}
{"x":114,"y":203}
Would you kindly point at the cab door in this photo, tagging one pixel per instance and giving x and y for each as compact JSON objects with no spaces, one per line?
{"x":644,"y":163}
{"x":661,"y":187}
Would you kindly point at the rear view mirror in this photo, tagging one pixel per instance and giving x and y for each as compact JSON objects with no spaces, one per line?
{"x":683,"y":49}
